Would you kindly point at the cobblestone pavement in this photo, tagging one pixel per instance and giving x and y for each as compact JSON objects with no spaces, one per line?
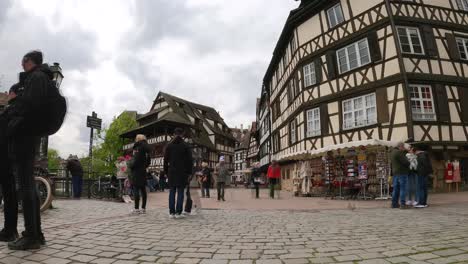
{"x":83,"y":231}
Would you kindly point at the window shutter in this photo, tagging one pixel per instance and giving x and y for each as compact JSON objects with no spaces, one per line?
{"x":440,"y":96}
{"x":332,"y":65}
{"x":318,"y":70}
{"x":453,"y":51}
{"x":383,"y":115}
{"x":324,"y":124}
{"x":463,"y":98}
{"x":429,"y":40}
{"x":374,"y":46}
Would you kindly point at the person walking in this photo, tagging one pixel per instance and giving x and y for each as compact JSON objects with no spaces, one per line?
{"x":138,"y":165}
{"x":221,"y":174}
{"x":411,"y":186}
{"x":424,"y":170}
{"x":273,"y":174}
{"x":256,"y":182}
{"x":7,"y":180}
{"x":178,"y":164}
{"x":401,"y":169}
{"x":206,"y":180}
{"x":76,"y":170}
{"x":162,"y":181}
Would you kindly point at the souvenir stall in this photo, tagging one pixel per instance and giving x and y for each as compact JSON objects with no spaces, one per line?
{"x":354,"y":170}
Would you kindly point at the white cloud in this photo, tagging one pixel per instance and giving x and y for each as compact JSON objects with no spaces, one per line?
{"x":116,"y":55}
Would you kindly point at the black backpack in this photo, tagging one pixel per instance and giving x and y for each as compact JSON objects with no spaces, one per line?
{"x":53,"y":112}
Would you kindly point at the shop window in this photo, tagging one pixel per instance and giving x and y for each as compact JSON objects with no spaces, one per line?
{"x":313,"y":122}
{"x":335,"y":15}
{"x":410,"y":40}
{"x":463,"y":4}
{"x":360,"y":111}
{"x":463,"y":47}
{"x":422,"y":103}
{"x":353,"y":56}
{"x":309,"y":74}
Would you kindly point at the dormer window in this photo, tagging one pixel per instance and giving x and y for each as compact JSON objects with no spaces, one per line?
{"x":335,"y":15}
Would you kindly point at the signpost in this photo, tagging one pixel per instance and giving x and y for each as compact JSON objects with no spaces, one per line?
{"x":92,"y":122}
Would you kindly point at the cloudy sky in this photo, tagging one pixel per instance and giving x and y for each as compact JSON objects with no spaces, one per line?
{"x":117,"y":55}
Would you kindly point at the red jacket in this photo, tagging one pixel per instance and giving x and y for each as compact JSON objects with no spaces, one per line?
{"x":274,"y":173}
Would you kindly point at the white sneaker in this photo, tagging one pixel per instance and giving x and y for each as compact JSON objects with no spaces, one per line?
{"x":143,"y":211}
{"x":409,"y":202}
{"x":415,"y":203}
{"x":135,"y":211}
{"x":179,"y":216}
{"x":172,"y":216}
{"x":419,"y":206}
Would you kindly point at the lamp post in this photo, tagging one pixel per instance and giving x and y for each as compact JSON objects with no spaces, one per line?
{"x":57,"y":78}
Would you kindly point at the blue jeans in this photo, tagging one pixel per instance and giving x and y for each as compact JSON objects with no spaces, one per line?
{"x":399,"y":189}
{"x":411,"y":187}
{"x":173,"y":208}
{"x":77,"y":184}
{"x":421,"y":191}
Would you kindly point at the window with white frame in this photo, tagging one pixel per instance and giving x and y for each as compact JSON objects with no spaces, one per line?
{"x":422,"y":103}
{"x":292,"y":131}
{"x":463,"y":47}
{"x":313,"y":122}
{"x":335,"y":15}
{"x":353,"y":56}
{"x":359,"y":111}
{"x":463,"y":4}
{"x":310,"y":78}
{"x":410,"y":40}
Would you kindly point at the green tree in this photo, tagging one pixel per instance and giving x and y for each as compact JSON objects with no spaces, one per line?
{"x":53,"y":160}
{"x":111,"y":144}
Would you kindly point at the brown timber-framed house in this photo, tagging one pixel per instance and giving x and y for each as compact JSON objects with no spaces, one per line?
{"x":351,"y":70}
{"x":205,"y":130}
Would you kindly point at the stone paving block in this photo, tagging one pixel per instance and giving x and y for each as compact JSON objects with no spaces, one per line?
{"x":214,"y":261}
{"x":103,"y":261}
{"x":347,"y":258}
{"x":56,"y":261}
{"x":423,"y":256}
{"x":322,"y":260}
{"x":37,"y":257}
{"x":195,"y":255}
{"x":82,"y":258}
{"x":11,"y":260}
{"x":187,"y":261}
{"x":268,"y":261}
{"x":125,"y":262}
{"x":374,"y":261}
{"x":165,"y":260}
{"x":401,"y":259}
{"x":226,"y":256}
{"x":296,"y":261}
{"x":448,"y":252}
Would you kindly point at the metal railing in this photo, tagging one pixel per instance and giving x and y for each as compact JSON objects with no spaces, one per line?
{"x":62,"y":185}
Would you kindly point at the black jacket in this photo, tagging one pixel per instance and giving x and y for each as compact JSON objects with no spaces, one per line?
{"x":139,"y":163}
{"x":23,"y":116}
{"x":178,"y":163}
{"x":424,"y":164}
{"x":207,"y":173}
{"x":75,"y":168}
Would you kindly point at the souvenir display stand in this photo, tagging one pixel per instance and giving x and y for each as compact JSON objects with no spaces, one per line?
{"x":354,"y":170}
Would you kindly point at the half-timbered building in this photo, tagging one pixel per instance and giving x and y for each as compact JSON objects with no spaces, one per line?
{"x":351,"y":70}
{"x":205,"y":130}
{"x":240,"y":152}
{"x":252,"y":152}
{"x":264,"y":124}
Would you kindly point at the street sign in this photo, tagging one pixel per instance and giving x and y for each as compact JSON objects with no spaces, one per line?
{"x":93,"y":121}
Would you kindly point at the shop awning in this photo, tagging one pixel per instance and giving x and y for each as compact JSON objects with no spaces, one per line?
{"x":354,"y":144}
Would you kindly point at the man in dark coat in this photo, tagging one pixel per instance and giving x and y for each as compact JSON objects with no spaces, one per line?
{"x":76,"y":170}
{"x":400,"y":169}
{"x":7,"y":180}
{"x":138,"y":165}
{"x":424,"y":170}
{"x":178,"y":164}
{"x":22,"y":146}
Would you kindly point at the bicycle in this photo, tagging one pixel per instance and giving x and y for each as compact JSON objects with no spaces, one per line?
{"x":105,"y":189}
{"x":44,"y":189}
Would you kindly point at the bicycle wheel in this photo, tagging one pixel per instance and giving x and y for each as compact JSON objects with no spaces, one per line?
{"x":96,"y":191}
{"x":44,"y":191}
